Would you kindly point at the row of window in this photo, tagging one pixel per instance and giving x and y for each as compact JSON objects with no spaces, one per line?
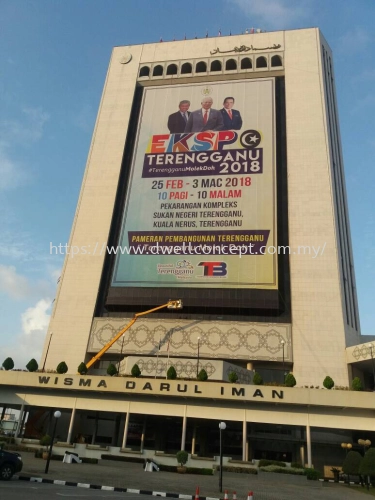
{"x":201,"y":66}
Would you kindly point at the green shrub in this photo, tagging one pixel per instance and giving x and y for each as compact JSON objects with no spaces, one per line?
{"x":312,"y":474}
{"x":171,"y":373}
{"x":135,"y":371}
{"x":240,"y":470}
{"x":257,"y":379}
{"x":290,"y":381}
{"x":296,"y":465}
{"x":8,"y":364}
{"x":351,"y":463}
{"x":111,"y":370}
{"x":182,"y":457}
{"x":32,"y":365}
{"x":196,"y":470}
{"x":82,"y":369}
{"x":328,"y":383}
{"x":367,"y":465}
{"x":265,"y":463}
{"x":283,"y":470}
{"x":202,"y":375}
{"x":45,"y":441}
{"x":357,"y":384}
{"x":62,"y":368}
{"x":233,"y":377}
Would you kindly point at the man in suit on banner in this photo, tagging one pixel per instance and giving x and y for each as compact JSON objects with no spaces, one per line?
{"x":231,"y":117}
{"x":205,"y":118}
{"x":177,"y":121}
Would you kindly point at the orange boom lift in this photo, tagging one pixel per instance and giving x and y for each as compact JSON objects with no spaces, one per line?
{"x":171,"y":304}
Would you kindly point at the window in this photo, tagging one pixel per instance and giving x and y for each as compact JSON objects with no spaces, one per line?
{"x":186,"y":68}
{"x":246,"y":63}
{"x":230,"y":65}
{"x":201,"y":67}
{"x":276,"y":61}
{"x":261,"y":62}
{"x":172,"y":69}
{"x":158,"y":70}
{"x":145,"y":71}
{"x":216,"y":66}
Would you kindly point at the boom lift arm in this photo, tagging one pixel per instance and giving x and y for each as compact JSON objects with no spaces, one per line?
{"x":171,"y":304}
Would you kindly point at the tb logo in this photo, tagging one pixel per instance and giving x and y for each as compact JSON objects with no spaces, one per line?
{"x":214,"y":269}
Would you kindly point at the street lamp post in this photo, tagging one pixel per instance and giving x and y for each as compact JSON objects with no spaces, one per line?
{"x":222,"y":427}
{"x":283,"y":345}
{"x":198,"y":357}
{"x":373,"y":366}
{"x":346,"y":447}
{"x":57,"y":415}
{"x":366,"y":443}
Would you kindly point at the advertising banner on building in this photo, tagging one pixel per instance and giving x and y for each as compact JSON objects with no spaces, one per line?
{"x":200,"y":208}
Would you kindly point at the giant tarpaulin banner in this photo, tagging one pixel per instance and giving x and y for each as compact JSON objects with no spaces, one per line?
{"x":200,"y":207}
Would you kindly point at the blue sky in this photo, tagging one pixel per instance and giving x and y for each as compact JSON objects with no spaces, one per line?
{"x":53,"y":61}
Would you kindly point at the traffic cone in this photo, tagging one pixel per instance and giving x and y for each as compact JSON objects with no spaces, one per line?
{"x":226,"y":495}
{"x":250,"y":496}
{"x":197,"y":493}
{"x":234,"y":495}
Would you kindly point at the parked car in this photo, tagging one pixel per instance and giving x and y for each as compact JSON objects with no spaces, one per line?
{"x":10,"y":463}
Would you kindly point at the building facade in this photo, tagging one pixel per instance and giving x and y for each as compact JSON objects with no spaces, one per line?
{"x":294,"y":310}
{"x":215,"y":176}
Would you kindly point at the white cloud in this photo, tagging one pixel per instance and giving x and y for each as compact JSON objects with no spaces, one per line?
{"x":35,"y":319}
{"x":13,"y":284}
{"x":19,"y":287}
{"x":29,"y":344}
{"x":274,"y":13}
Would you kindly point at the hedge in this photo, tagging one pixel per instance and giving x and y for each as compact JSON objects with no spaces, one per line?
{"x":240,"y":470}
{"x":283,"y":470}
{"x":265,"y":463}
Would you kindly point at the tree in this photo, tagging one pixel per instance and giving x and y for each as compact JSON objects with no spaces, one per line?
{"x":171,"y":373}
{"x":328,"y":383}
{"x":62,"y":368}
{"x":182,"y":457}
{"x":290,"y":380}
{"x":135,"y":371}
{"x":367,"y":465}
{"x":82,"y":369}
{"x":352,"y":464}
{"x":32,"y":365}
{"x":357,"y":384}
{"x":257,"y":379}
{"x":111,"y":370}
{"x":8,"y":364}
{"x":233,"y":377}
{"x":202,"y":375}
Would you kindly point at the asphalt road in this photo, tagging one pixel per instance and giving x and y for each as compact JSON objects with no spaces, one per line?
{"x":19,"y":490}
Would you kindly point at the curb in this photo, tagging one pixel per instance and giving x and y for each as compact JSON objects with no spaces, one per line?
{"x":111,"y":488}
{"x":337,"y":482}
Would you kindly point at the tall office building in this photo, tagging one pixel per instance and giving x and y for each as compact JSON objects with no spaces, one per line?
{"x":215,"y":177}
{"x":233,"y":193}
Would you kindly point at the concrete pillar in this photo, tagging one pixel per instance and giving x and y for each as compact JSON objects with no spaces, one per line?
{"x":308,"y":442}
{"x":143,"y":434}
{"x":71,"y":424}
{"x":193,"y":439}
{"x":20,"y":418}
{"x":245,"y":453}
{"x":125,"y":430}
{"x":95,"y":428}
{"x":249,"y":366}
{"x":183,"y":437}
{"x":302,"y":455}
